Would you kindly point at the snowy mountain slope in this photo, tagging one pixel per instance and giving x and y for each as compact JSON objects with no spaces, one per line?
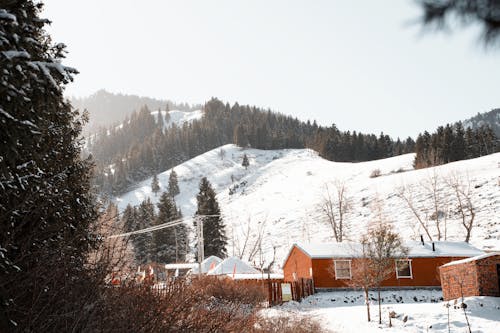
{"x":177,"y":117}
{"x":281,"y":192}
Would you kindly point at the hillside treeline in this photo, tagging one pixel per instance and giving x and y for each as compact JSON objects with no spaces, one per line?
{"x":142,"y":146}
{"x":454,"y":143}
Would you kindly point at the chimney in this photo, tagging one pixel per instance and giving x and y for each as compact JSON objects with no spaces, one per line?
{"x":433,"y":248}
{"x":422,"y":239}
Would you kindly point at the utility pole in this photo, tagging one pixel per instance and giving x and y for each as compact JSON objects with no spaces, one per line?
{"x":201,"y":252}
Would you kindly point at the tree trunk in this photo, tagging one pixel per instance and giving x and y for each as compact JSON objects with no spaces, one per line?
{"x":367,"y":301}
{"x":379,"y":307}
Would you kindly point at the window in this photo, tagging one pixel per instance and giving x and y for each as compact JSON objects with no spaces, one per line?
{"x":342,"y":269}
{"x":403,"y":269}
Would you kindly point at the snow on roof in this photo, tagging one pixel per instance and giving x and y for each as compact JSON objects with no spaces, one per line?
{"x":232,"y":265}
{"x":186,"y":265}
{"x":207,"y":264}
{"x":415,"y":249}
{"x":482,"y":256}
{"x":258,"y":276}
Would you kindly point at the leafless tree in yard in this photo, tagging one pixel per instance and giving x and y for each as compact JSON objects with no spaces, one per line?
{"x":335,"y":205}
{"x":381,"y":247}
{"x":462,"y":193}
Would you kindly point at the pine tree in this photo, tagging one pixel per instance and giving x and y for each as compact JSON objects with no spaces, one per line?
{"x":143,"y":243}
{"x":155,"y":185}
{"x":214,"y":233}
{"x":173,"y":185}
{"x":169,"y":243}
{"x":129,"y":218}
{"x":245,"y":162}
{"x":45,"y":200}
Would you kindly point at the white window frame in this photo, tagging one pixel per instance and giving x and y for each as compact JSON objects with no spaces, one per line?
{"x":409,"y":265}
{"x":350,"y":270}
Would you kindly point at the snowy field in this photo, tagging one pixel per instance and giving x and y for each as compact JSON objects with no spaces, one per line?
{"x":345,"y":312}
{"x":280,"y":195}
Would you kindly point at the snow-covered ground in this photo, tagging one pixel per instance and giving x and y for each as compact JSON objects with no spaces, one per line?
{"x":345,"y":312}
{"x":281,"y":192}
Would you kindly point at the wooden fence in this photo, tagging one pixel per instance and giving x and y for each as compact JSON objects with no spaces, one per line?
{"x":300,"y":289}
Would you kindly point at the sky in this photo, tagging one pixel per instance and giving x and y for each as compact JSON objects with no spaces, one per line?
{"x":363,"y":65}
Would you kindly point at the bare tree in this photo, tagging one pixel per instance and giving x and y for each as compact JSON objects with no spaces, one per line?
{"x":251,"y":245}
{"x":257,"y":243}
{"x":335,"y":206}
{"x":222,"y":154}
{"x":406,"y":195}
{"x":433,"y":186}
{"x":383,"y":246}
{"x":363,"y":276}
{"x":462,"y":192}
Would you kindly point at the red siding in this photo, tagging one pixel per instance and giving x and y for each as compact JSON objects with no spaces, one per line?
{"x":299,"y":263}
{"x":424,"y":270}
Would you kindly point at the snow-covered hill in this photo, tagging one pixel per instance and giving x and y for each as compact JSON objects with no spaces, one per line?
{"x":178,"y":117}
{"x":281,"y":193}
{"x":175,"y":117}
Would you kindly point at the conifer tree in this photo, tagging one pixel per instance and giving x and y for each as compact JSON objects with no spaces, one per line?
{"x":46,"y":207}
{"x":245,"y":162}
{"x":214,"y":233}
{"x":169,"y":243}
{"x":143,"y":242}
{"x":129,"y":217}
{"x":155,"y":185}
{"x":160,"y":120}
{"x":173,"y":185}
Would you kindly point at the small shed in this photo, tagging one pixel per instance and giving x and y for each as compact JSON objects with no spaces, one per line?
{"x":232,"y":265}
{"x":476,"y":276}
{"x":206,"y":265}
{"x":329,"y":264}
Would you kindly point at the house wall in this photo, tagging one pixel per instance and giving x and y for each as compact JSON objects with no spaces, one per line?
{"x":425,"y":273}
{"x":475,"y":278}
{"x":488,"y":276}
{"x":298,"y":262}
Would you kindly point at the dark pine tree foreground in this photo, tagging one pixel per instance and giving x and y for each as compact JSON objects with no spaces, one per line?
{"x":46,"y":208}
{"x":214,"y":233}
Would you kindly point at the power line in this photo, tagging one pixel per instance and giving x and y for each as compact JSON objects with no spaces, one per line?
{"x":160,"y":226}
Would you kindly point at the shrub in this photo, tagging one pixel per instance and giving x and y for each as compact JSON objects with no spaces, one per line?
{"x":197,"y":305}
{"x":285,"y":324}
{"x":375,"y":173}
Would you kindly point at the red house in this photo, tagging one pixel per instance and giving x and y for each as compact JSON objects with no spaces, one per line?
{"x":329,"y":264}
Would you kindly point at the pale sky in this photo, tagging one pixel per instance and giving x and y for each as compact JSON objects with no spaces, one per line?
{"x":359,"y":64}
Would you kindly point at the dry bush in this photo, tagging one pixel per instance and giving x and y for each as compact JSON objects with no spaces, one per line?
{"x":375,"y":173}
{"x":287,"y":325}
{"x":199,"y":305}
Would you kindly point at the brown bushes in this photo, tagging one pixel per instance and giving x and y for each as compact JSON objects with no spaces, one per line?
{"x":199,"y":305}
{"x":287,"y":325}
